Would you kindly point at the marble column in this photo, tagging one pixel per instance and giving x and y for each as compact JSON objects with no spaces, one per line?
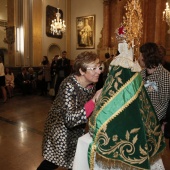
{"x":105,"y":33}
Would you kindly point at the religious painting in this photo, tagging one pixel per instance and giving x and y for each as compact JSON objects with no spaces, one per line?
{"x":51,"y":15}
{"x":85,"y":28}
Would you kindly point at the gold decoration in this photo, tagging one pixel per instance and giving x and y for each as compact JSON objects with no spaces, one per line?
{"x":132,"y":21}
{"x":10,"y":37}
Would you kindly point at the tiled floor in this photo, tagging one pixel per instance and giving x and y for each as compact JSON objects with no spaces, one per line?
{"x":21,"y":128}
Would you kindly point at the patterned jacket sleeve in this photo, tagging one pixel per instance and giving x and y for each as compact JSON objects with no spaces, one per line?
{"x":73,"y":110}
{"x":164,"y":92}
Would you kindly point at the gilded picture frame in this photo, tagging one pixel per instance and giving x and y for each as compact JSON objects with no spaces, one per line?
{"x":85,"y":32}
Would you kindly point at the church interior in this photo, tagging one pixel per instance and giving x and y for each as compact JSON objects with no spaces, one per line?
{"x":26,"y":36}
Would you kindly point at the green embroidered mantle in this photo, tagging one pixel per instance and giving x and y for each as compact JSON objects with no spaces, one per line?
{"x":124,"y":126}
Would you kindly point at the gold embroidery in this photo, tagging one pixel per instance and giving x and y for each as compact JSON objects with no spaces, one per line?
{"x":150,"y":122}
{"x":104,"y":100}
{"x":119,"y":146}
{"x":125,"y":149}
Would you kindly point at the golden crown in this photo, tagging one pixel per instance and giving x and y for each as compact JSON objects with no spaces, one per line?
{"x":120,"y":34}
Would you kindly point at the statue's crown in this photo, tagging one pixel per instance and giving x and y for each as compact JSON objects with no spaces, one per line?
{"x":120,"y":34}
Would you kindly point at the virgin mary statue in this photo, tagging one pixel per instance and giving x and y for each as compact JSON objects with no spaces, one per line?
{"x":126,"y":133}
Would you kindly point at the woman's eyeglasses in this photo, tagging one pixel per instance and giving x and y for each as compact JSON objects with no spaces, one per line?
{"x":95,"y":68}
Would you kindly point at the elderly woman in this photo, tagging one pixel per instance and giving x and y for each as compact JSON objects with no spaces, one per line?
{"x":156,"y":77}
{"x":68,"y":115}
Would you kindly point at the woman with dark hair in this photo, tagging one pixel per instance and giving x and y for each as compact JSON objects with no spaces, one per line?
{"x":156,"y":78}
{"x":46,"y":77}
{"x":69,"y":113}
{"x":2,"y":80}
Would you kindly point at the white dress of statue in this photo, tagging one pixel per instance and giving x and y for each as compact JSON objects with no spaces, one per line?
{"x":125,"y":58}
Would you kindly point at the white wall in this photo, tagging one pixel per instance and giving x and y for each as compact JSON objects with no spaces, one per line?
{"x":84,"y":8}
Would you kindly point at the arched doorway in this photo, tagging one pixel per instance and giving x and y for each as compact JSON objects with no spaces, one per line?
{"x":52,"y":51}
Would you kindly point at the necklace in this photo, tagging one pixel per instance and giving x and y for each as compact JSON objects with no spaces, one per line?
{"x":81,"y":82}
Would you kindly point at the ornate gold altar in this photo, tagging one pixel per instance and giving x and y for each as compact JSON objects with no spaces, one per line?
{"x":154,"y":29}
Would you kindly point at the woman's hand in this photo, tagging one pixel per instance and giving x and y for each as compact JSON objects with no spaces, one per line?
{"x":96,"y":96}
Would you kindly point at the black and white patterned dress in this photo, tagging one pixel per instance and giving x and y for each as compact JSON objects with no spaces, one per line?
{"x":66,"y":122}
{"x":160,"y":97}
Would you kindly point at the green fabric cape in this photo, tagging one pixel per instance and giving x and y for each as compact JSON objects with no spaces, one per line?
{"x":125,"y":129}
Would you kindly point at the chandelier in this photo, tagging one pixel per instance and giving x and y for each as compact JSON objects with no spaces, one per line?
{"x":166,"y":16}
{"x":58,"y":25}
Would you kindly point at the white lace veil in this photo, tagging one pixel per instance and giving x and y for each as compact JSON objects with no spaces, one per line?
{"x":125,"y":58}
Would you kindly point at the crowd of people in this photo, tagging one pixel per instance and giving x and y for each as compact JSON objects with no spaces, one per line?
{"x":52,"y":74}
{"x":44,"y":81}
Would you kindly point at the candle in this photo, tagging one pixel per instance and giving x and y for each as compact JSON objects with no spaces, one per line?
{"x":166,"y":4}
{"x":163,"y":14}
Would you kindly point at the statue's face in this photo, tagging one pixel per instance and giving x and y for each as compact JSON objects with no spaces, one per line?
{"x":125,"y":51}
{"x":122,"y":47}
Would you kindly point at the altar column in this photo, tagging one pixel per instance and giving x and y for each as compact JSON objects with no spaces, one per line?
{"x":104,"y":43}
